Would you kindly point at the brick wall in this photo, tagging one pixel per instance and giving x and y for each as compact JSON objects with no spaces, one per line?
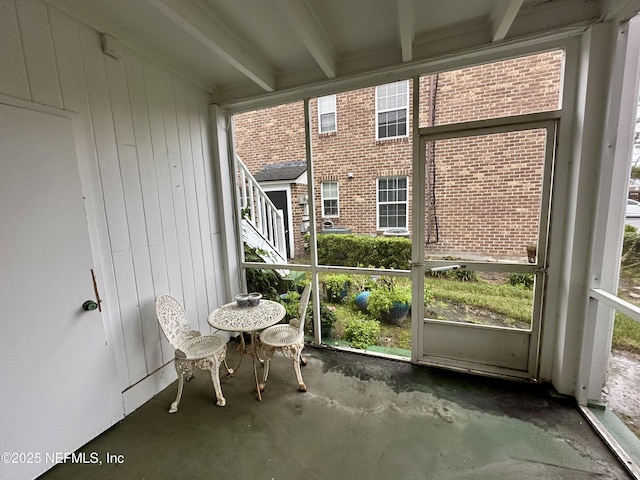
{"x":487,"y":189}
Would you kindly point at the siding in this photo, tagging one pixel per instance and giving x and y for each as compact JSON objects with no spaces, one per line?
{"x":147,"y":133}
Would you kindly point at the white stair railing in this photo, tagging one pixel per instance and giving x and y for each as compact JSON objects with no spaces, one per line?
{"x":259,"y":210}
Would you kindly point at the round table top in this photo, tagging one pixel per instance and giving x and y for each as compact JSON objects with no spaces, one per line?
{"x":232,"y":318}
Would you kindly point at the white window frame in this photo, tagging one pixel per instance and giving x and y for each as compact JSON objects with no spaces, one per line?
{"x":336,"y":198}
{"x":395,"y":108}
{"x":331,"y":108}
{"x":397,"y":202}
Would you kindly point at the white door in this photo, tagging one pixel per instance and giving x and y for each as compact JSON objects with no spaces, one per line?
{"x":58,"y":374}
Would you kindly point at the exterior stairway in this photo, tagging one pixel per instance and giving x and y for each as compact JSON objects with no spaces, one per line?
{"x":262,"y":223}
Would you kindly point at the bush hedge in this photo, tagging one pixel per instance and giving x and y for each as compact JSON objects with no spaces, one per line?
{"x":351,"y":250}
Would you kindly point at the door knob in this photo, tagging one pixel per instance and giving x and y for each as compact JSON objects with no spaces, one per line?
{"x":89,"y":305}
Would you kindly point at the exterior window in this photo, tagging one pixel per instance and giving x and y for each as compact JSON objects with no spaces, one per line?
{"x":392,"y":202}
{"x":327,"y":114}
{"x":392,"y":110}
{"x":330,"y":199}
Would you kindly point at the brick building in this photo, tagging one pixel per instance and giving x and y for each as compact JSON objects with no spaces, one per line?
{"x":484,"y":191}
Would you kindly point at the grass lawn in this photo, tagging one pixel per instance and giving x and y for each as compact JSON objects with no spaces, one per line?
{"x":626,"y":334}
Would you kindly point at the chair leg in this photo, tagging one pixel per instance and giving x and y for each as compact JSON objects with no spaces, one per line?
{"x":183,"y":367}
{"x":214,"y":368}
{"x":297,"y":359}
{"x":268,"y":353}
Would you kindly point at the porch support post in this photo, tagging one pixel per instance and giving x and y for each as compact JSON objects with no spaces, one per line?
{"x":313,"y":245}
{"x":230,"y":238}
{"x":578,"y":173}
{"x":418,"y":220}
{"x":609,"y":231}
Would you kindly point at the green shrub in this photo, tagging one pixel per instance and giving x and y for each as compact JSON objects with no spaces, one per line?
{"x":328,"y":319}
{"x":362,"y":332}
{"x":523,"y":279}
{"x":464,"y":275}
{"x":382,"y":299}
{"x":336,"y":284}
{"x":352,"y":250}
{"x":291,"y":304}
{"x":264,"y":280}
{"x":428,"y":295}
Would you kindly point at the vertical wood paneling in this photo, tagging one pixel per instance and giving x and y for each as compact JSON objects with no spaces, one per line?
{"x":38,"y":52}
{"x":147,"y":137}
{"x":184,"y":245}
{"x":126,"y":286}
{"x":192,"y":207}
{"x":129,"y":170}
{"x":148,"y":184}
{"x":113,"y":194}
{"x":161,"y":161}
{"x":142,"y":132}
{"x":13,"y":71}
{"x":70,"y":70}
{"x":104,"y":135}
{"x":178,"y":194}
{"x":119,"y":94}
{"x":141,"y":258}
{"x":75,"y":98}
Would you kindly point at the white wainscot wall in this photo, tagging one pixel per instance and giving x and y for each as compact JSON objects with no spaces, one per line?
{"x":148,"y":173}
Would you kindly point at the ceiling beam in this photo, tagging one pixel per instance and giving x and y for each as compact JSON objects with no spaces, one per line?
{"x":300,"y":16}
{"x":195,"y":22}
{"x":406,"y":28}
{"x":502,"y":17}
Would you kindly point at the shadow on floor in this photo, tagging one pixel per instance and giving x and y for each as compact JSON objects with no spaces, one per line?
{"x":362,"y":418}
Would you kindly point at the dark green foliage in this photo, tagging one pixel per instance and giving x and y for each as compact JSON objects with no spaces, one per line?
{"x":630,"y":247}
{"x":263,"y":280}
{"x":328,"y":319}
{"x":337,"y":285}
{"x":464,"y":275}
{"x":291,"y":302}
{"x":352,"y":250}
{"x":361,"y":332}
{"x":524,"y":279}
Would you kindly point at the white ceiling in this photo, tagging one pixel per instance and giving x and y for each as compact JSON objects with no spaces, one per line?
{"x":246,"y":48}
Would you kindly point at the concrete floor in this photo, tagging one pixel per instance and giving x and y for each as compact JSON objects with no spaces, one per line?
{"x":362,"y":418}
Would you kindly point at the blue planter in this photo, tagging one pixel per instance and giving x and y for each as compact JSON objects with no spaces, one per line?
{"x":397,"y":314}
{"x":362,"y":299}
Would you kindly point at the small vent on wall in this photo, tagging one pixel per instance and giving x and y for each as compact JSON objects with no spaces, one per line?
{"x":110,"y":45}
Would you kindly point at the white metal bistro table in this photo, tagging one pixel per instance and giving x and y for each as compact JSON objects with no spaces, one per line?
{"x":232,"y":318}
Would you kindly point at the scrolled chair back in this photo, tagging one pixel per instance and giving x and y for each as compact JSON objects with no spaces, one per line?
{"x":173,"y":320}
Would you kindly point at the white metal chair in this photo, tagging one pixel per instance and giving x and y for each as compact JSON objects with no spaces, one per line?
{"x":289,"y":339}
{"x":207,"y":352}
